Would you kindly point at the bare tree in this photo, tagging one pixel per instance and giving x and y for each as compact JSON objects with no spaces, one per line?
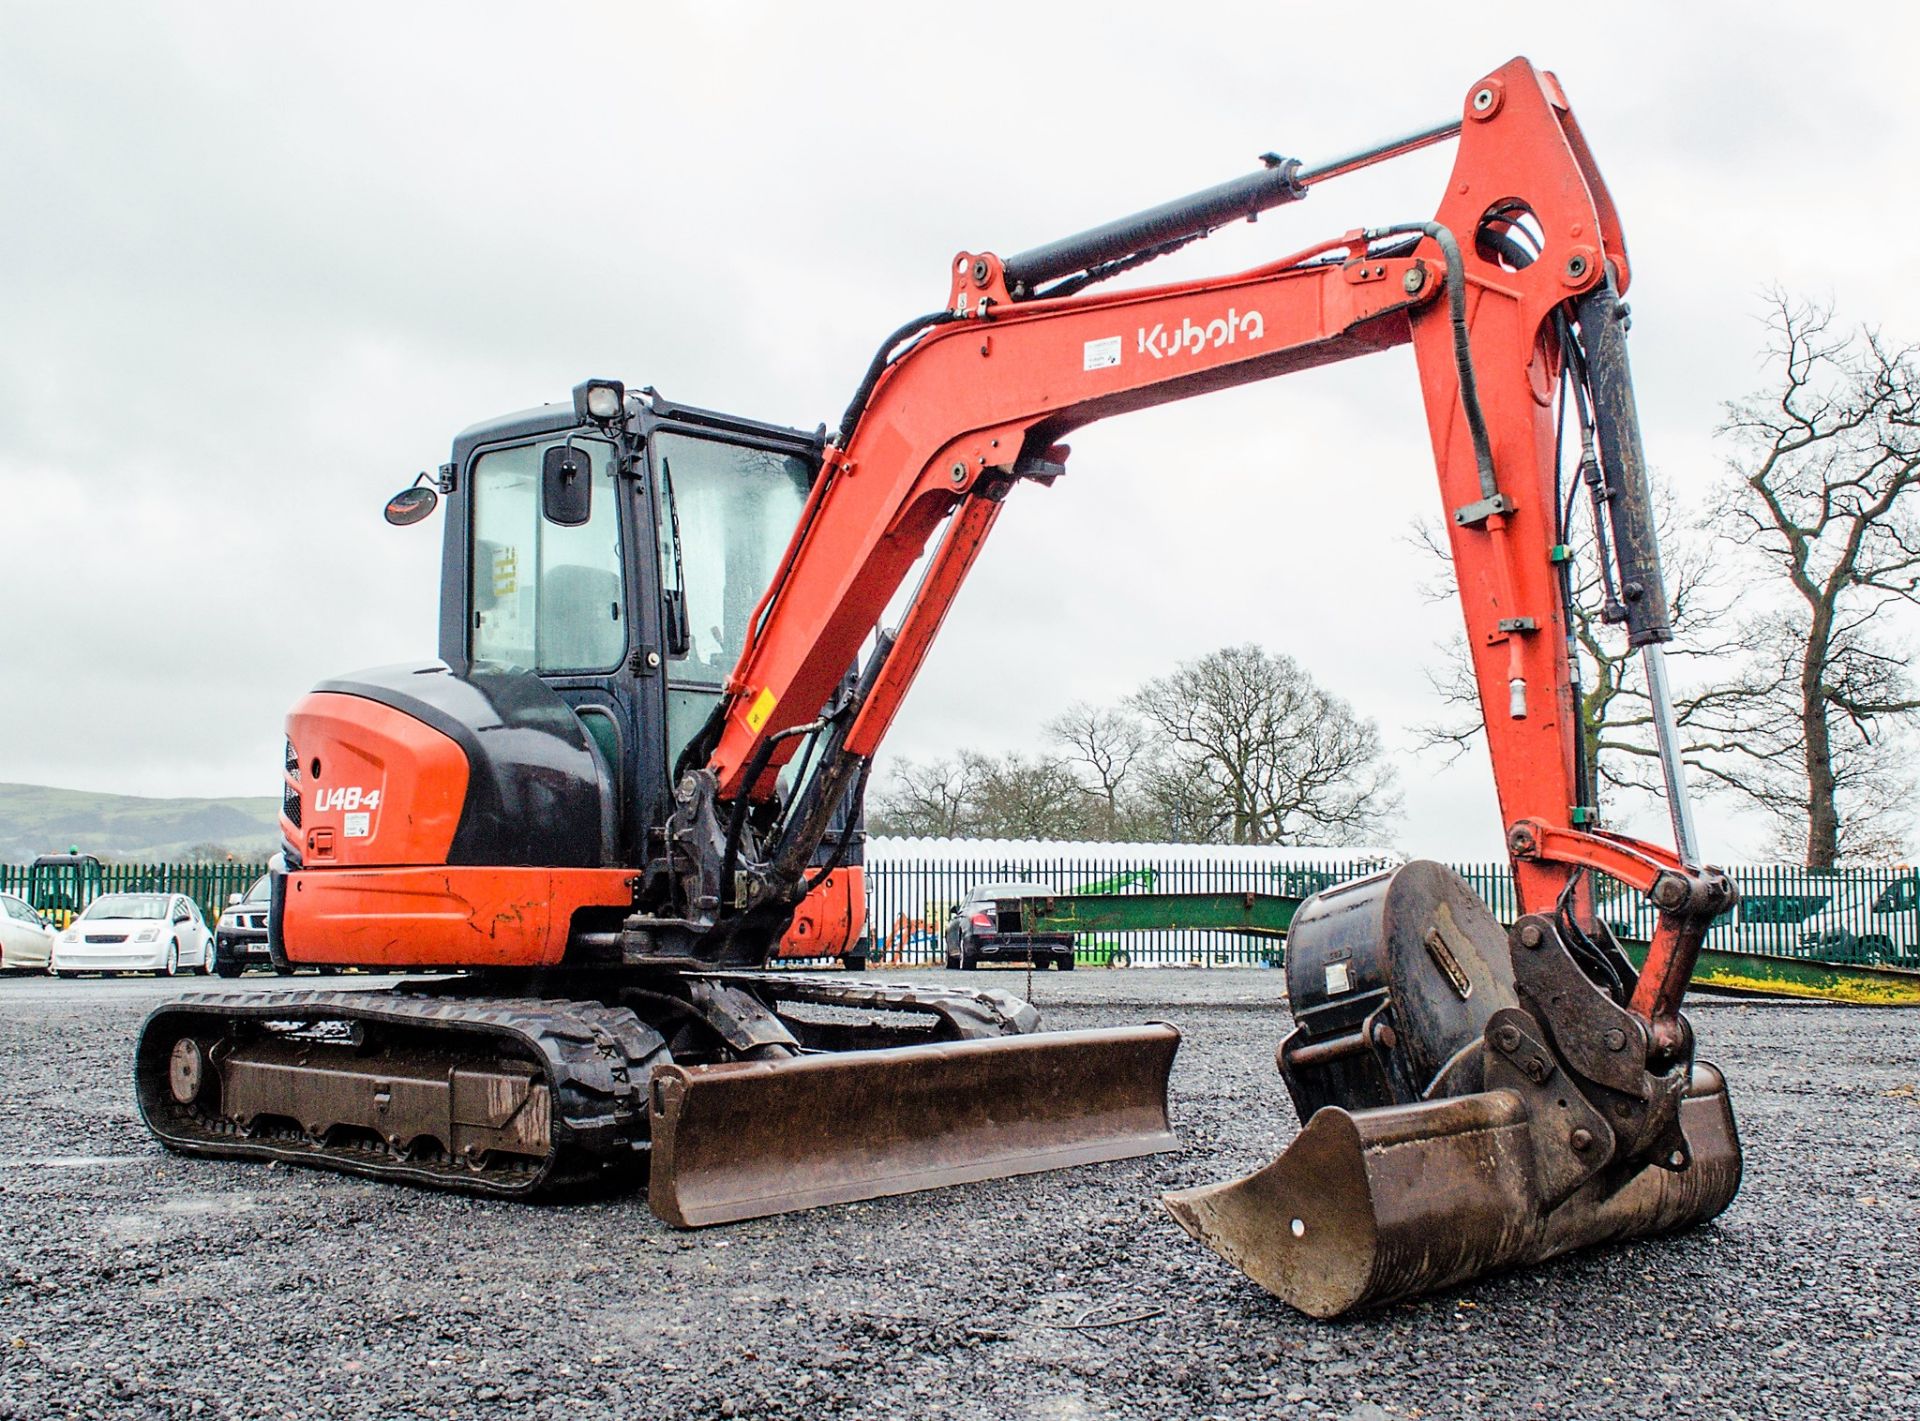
{"x":1105,"y":747}
{"x":972,"y":795}
{"x":1172,"y":805}
{"x":1284,"y":762}
{"x":931,"y":799}
{"x":1616,"y":716}
{"x":1017,"y":796}
{"x":1823,"y":501}
{"x":1746,"y":734}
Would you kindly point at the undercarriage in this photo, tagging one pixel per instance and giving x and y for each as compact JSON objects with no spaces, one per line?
{"x":731,"y":1095}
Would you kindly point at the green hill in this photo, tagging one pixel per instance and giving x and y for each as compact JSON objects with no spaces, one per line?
{"x":37,"y":819}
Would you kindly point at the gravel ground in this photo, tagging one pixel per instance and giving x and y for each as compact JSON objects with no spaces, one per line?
{"x":135,"y":1284}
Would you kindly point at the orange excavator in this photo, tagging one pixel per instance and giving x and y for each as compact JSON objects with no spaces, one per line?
{"x":662,"y":683}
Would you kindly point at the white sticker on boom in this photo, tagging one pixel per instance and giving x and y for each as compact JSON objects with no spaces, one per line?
{"x":1102,"y":354}
{"x":357,"y":826}
{"x":1337,"y":979}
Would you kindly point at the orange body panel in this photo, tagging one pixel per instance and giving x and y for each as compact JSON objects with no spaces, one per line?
{"x":830,"y":919}
{"x":389,"y":789}
{"x":442,"y":917}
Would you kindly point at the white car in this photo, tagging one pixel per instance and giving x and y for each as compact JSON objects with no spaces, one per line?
{"x":135,"y":932}
{"x":26,"y":943}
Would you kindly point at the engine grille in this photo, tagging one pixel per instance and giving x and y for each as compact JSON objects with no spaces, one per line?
{"x":290,"y":806}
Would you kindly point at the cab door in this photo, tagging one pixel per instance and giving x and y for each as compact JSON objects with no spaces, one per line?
{"x":550,"y":585}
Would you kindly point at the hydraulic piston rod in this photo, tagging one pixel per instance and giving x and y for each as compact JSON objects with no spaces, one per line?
{"x":1284,"y":180}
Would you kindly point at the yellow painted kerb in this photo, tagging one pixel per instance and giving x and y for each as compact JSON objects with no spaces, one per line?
{"x":761,"y":708}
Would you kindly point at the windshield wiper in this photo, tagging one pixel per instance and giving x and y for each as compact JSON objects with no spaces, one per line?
{"x":679,"y":637}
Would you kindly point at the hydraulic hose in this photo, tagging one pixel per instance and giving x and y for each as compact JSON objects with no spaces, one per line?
{"x":878,"y":366}
{"x":756,"y":766}
{"x":1462,"y":347}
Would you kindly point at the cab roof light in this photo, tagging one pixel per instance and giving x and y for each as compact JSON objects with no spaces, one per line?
{"x":599,"y":400}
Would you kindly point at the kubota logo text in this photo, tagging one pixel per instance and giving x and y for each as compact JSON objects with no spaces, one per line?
{"x":1190,"y":339}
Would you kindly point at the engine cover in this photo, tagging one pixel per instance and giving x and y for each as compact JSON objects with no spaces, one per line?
{"x":412,"y":765}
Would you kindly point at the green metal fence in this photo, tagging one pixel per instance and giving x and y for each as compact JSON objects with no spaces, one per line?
{"x":1857,"y":916}
{"x":208,"y":884}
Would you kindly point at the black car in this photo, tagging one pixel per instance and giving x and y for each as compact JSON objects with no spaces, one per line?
{"x":989,"y":925}
{"x":240,"y":939}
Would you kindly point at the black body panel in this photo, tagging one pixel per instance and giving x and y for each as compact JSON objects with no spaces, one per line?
{"x":537,"y":793}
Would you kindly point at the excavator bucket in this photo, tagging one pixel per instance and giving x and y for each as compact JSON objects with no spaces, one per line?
{"x":1369,"y":1206}
{"x":742,"y":1139}
{"x":1444,"y":1138}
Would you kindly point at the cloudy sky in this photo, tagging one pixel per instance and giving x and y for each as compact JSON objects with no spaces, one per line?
{"x":262,"y":262}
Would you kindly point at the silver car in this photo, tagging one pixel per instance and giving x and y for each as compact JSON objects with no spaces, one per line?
{"x":135,"y":932}
{"x":26,"y":943}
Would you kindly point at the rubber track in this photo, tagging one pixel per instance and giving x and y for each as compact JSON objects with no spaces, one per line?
{"x":596,"y":1059}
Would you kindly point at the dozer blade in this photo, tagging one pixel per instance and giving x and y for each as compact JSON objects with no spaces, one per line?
{"x":1373,"y":1205}
{"x":743,"y":1139}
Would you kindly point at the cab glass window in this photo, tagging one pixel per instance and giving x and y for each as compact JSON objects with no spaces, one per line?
{"x":545,"y":597}
{"x":736,"y":509}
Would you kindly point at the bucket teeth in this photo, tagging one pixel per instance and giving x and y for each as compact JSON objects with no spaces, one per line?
{"x":1366,"y":1207}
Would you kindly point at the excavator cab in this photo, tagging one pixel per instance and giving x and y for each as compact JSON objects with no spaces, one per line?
{"x":601,"y":562}
{"x":630,"y":603}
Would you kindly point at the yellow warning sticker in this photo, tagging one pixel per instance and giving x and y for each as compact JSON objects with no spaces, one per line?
{"x":758,"y":712}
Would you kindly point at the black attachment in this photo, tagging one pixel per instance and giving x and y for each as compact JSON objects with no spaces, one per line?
{"x":1603,"y":338}
{"x":1392,"y":980}
{"x":1181,"y":220}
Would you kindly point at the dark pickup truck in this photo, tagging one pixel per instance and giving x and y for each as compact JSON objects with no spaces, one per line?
{"x":989,"y":925}
{"x":240,"y":937}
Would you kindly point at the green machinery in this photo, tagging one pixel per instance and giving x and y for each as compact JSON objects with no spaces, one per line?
{"x":1267,"y":916}
{"x":60,"y":885}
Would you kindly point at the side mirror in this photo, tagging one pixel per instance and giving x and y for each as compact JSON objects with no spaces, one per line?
{"x":232,"y":898}
{"x":674,"y":627}
{"x":410,"y":505}
{"x":566,"y":486}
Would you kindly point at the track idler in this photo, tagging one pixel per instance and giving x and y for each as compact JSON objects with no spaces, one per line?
{"x":1473,"y":1101}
